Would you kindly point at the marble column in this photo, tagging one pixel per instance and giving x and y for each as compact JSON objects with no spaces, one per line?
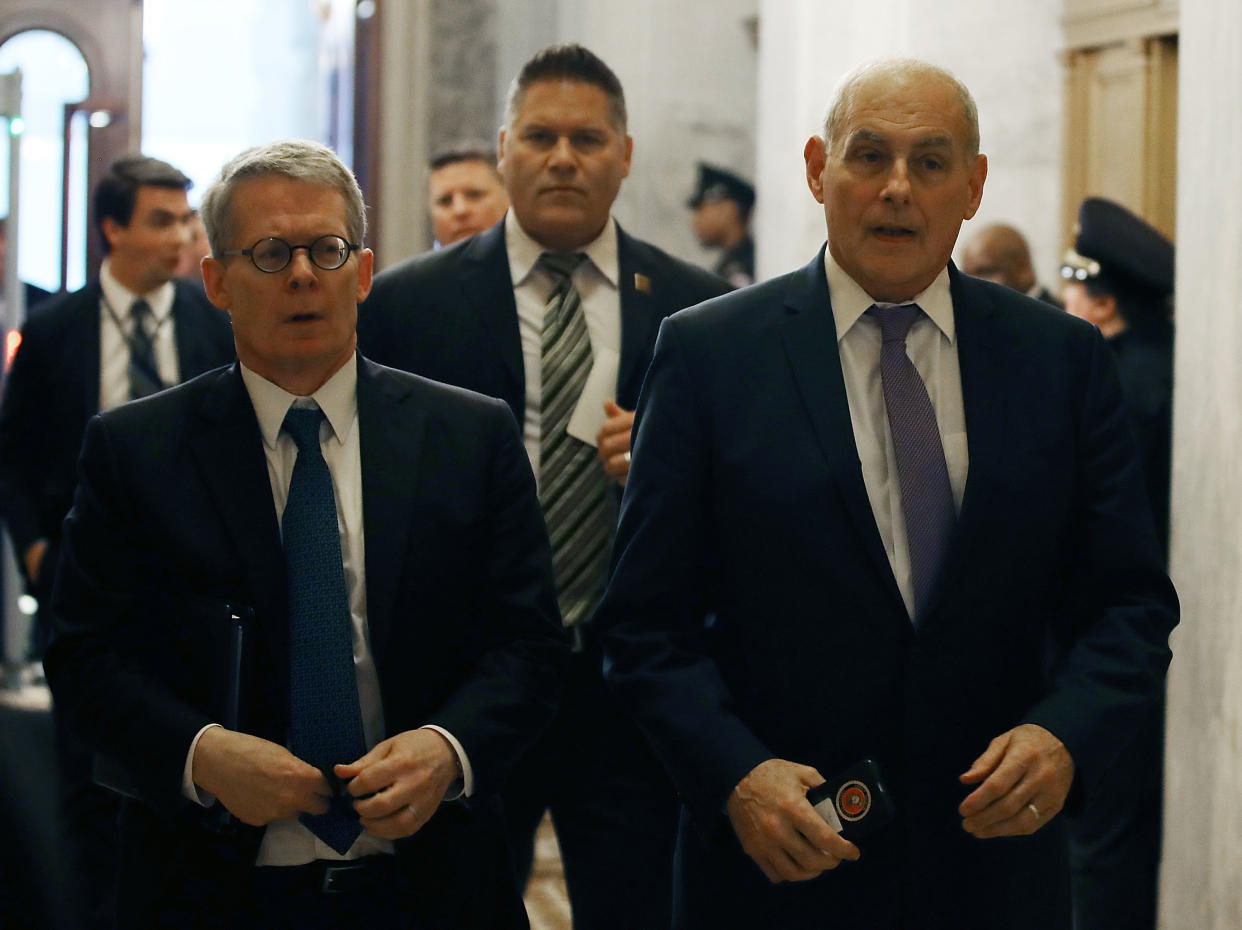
{"x":1199,"y":883}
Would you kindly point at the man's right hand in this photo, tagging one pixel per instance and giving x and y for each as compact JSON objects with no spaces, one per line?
{"x":779,"y":828}
{"x":257,"y":780}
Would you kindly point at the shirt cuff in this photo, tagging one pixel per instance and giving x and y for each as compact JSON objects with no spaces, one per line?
{"x":464,"y":786}
{"x":191,"y":791}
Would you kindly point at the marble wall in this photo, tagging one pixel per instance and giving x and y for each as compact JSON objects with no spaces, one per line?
{"x":1006,"y":53}
{"x":1199,"y":884}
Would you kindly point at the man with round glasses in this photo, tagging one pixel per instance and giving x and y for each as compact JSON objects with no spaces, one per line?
{"x":345,"y":625}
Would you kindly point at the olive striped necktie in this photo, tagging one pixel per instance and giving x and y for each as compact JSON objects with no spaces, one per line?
{"x":578,"y":504}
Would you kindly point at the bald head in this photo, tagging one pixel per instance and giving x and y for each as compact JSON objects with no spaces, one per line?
{"x":999,"y":253}
{"x":897,"y":73}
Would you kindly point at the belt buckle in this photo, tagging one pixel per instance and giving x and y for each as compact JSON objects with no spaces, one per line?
{"x":333,"y":873}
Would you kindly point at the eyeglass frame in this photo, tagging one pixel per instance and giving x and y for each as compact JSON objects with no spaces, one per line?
{"x":350,"y":248}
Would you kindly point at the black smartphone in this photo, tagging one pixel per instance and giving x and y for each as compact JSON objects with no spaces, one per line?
{"x":854,"y":802}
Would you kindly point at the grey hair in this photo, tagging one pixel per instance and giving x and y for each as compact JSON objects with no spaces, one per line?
{"x":295,"y":159}
{"x":908,"y":69}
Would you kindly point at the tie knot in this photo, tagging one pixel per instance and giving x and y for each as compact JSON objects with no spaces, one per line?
{"x":561,"y":265}
{"x":139,"y":311}
{"x":302,"y":424}
{"x":895,"y":319}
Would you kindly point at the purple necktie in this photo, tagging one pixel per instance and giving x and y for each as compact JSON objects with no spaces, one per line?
{"x":926,"y":495}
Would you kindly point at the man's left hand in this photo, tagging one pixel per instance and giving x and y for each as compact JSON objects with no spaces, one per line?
{"x":406,"y":776}
{"x":613,"y":440}
{"x":1023,"y":777}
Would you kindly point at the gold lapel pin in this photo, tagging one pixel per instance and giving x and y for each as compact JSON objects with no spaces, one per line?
{"x":642,"y":283}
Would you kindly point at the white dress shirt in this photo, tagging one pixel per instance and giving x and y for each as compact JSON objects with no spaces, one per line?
{"x":932,"y":347}
{"x":288,"y":842}
{"x":597,"y":284}
{"x":114,"y":315}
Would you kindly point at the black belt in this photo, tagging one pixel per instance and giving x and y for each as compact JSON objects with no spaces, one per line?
{"x":327,"y":876}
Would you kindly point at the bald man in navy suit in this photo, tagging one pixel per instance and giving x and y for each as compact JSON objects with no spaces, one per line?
{"x":882,"y":510}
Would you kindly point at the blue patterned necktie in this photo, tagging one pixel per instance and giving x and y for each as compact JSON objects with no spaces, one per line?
{"x":575,"y":493}
{"x":923,"y":476}
{"x":325,"y":720}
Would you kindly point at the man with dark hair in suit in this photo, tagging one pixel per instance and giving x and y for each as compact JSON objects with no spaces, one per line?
{"x":907,"y":504}
{"x":465,"y":193}
{"x":130,"y":332}
{"x":555,"y":310}
{"x":373,"y":539}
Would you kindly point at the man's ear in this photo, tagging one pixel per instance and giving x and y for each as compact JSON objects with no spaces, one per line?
{"x":978,"y":174}
{"x":213,"y":283}
{"x":110,"y":229}
{"x":815,"y":153}
{"x":366,"y":266}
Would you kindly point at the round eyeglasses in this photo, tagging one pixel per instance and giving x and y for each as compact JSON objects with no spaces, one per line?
{"x":271,"y":255}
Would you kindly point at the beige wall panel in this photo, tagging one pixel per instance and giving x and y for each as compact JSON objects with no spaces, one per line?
{"x":1116,"y":114}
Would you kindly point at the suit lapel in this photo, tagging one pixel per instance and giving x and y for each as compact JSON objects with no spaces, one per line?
{"x":88,"y":350}
{"x":488,"y":287}
{"x":985,"y":393}
{"x":809,"y":334}
{"x":642,"y":299}
{"x":391,"y":428}
{"x":229,"y":452}
{"x":985,"y":390}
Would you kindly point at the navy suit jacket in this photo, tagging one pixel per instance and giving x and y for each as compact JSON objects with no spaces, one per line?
{"x":746,"y":503}
{"x":451,"y":315}
{"x":53,"y":389}
{"x":173,"y":520}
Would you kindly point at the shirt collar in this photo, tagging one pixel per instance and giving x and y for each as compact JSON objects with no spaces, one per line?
{"x":120,"y":298}
{"x":524,"y":251}
{"x":337,"y":398}
{"x":850,"y":301}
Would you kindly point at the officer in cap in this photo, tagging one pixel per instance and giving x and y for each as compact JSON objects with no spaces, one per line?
{"x":722,"y":202}
{"x":1119,"y":276}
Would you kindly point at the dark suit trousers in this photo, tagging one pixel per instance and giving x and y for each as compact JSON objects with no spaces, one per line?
{"x":1115,"y":843}
{"x":86,"y":829}
{"x":614,"y":809}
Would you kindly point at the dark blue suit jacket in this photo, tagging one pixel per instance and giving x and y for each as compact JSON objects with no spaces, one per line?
{"x":53,"y":389}
{"x":173,"y":520}
{"x":746,"y":503}
{"x":450,"y":315}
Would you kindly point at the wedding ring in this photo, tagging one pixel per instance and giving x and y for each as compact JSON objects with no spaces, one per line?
{"x":626,"y":456}
{"x":1033,"y":809}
